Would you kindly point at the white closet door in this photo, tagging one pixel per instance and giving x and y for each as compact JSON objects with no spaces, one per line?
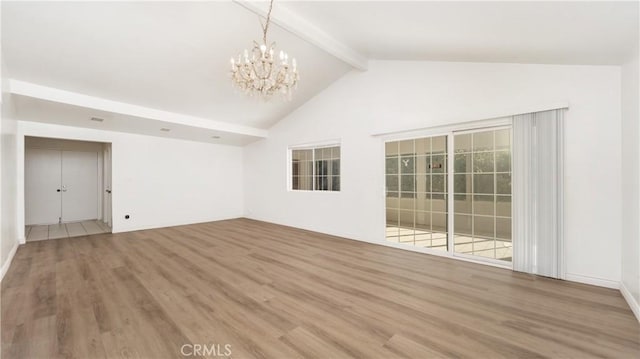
{"x":42,"y":186}
{"x":79,"y":186}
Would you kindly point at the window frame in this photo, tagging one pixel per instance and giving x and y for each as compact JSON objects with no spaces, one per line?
{"x":313,"y":147}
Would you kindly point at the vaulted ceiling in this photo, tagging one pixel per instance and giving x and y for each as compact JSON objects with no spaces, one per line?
{"x":146,"y":65}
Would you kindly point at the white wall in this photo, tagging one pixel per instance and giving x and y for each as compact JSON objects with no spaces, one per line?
{"x":159,"y":182}
{"x":631,"y":183}
{"x":396,"y":96}
{"x":8,"y":184}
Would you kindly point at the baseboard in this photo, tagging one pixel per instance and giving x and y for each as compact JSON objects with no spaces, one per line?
{"x":593,"y":281}
{"x":633,"y":303}
{"x":146,"y":226}
{"x":7,"y":263}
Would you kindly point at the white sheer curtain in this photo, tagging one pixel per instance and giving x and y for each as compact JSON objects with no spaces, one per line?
{"x":538,"y":161}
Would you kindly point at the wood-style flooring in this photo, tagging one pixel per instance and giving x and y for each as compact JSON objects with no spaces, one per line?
{"x":270,"y":291}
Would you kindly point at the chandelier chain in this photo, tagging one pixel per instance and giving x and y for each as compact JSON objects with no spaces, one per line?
{"x":265,"y":27}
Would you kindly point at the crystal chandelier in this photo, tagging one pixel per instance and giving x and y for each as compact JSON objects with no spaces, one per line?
{"x":258,"y":73}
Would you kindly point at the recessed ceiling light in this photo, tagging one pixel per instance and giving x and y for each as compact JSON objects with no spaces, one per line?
{"x":97,"y":119}
{"x":165,"y":129}
{"x":215,"y":137}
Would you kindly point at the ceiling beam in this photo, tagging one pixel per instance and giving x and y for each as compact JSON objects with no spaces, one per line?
{"x":307,"y":31}
{"x":77,"y":99}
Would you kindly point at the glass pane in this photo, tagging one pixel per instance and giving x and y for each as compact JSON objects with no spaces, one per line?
{"x":423,"y":146}
{"x":301,"y":155}
{"x":392,"y":202}
{"x":462,"y":203}
{"x":503,"y":183}
{"x":483,"y":183}
{"x":462,"y":143}
{"x":407,"y":164}
{"x":322,"y":183}
{"x":439,"y":164}
{"x":391,"y":165}
{"x":483,"y":205}
{"x":422,"y":183}
{"x":483,"y":226}
{"x":406,"y":147}
{"x":321,"y":168}
{"x":439,"y":203}
{"x":483,"y":141}
{"x":302,"y":168}
{"x":392,"y":183}
{"x":423,"y":221}
{"x":406,"y":219}
{"x":423,"y":164}
{"x":503,"y":161}
{"x":438,"y":183}
{"x":305,"y":183}
{"x":439,"y":144}
{"x":503,"y":206}
{"x":503,"y":228}
{"x":439,"y":222}
{"x":418,"y":173}
{"x":407,"y":183}
{"x":335,"y":167}
{"x":462,"y":163}
{"x":462,"y":224}
{"x":335,"y":183}
{"x":423,"y":202}
{"x":392,"y":217}
{"x":503,"y":139}
{"x":462,"y":183}
{"x":483,"y":162}
{"x":487,"y":231}
{"x":391,"y":148}
{"x":335,"y":152}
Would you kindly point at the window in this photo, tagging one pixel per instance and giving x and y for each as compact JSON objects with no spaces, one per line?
{"x":315,"y":169}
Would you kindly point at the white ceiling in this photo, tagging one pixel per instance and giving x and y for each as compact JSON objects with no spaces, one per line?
{"x":594,"y":33}
{"x":173,"y":56}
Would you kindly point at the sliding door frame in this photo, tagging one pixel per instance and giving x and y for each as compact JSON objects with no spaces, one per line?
{"x":449,"y":131}
{"x":451,"y":198}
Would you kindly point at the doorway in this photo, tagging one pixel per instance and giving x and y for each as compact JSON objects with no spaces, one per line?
{"x":67,"y":188}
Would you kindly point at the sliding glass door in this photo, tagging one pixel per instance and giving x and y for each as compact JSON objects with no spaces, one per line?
{"x":416,"y":192}
{"x":482,"y":193}
{"x":476,"y":220}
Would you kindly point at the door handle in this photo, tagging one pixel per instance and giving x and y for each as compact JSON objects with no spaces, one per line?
{"x":58,"y":190}
{"x":108,"y":191}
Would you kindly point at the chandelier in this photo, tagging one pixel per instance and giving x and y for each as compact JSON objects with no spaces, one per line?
{"x":259,"y":73}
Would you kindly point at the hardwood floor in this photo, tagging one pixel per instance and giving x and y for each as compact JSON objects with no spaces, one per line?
{"x":277,"y":292}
